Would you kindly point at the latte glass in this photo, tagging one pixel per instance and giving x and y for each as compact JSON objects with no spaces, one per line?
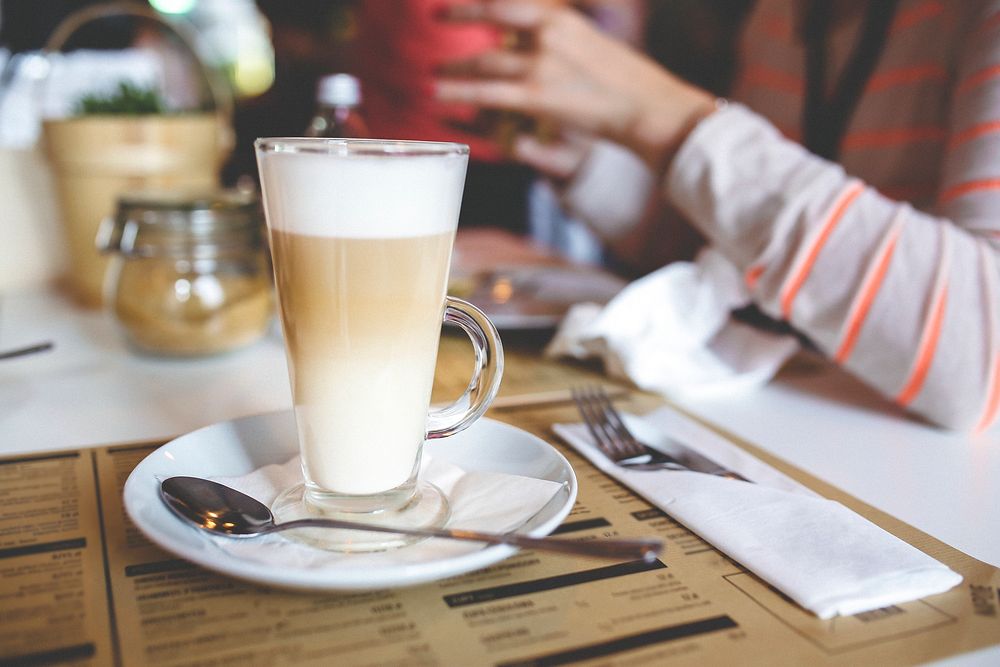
{"x":361,"y":235}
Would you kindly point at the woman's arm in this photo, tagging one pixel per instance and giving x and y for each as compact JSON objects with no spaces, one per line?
{"x":613,"y":191}
{"x":906,"y":300}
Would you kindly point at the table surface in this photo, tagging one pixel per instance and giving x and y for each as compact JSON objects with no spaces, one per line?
{"x":92,"y":389}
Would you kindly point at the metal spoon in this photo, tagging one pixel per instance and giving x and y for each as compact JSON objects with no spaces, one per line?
{"x":225,"y":511}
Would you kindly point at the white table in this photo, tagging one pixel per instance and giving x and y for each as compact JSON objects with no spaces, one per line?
{"x":827,"y":423}
{"x":92,"y":390}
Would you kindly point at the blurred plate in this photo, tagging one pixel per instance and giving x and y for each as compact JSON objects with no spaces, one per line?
{"x":533,"y":297}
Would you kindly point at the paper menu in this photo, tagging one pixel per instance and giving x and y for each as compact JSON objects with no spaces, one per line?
{"x":53,"y":602}
{"x":79,"y":582}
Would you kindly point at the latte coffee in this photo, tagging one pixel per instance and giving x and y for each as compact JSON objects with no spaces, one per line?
{"x":362,"y":318}
{"x":361,"y":235}
{"x":361,"y":241}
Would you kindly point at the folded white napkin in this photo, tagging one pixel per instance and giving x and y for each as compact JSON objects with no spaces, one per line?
{"x":817,"y":552}
{"x":488,"y":501}
{"x":671,"y":332}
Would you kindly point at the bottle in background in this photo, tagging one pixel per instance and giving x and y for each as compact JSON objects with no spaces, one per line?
{"x":338,"y":114}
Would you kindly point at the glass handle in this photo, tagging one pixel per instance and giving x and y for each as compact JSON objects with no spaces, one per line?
{"x":485,"y":382}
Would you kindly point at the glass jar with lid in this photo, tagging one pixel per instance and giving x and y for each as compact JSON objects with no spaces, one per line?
{"x":190,"y":273}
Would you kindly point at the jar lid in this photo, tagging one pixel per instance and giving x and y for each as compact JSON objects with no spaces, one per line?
{"x":171,"y":223}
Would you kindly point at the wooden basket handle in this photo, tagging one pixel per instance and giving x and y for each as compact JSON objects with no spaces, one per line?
{"x":222,"y":98}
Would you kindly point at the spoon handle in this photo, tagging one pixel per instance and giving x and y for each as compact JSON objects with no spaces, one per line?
{"x":640,"y":549}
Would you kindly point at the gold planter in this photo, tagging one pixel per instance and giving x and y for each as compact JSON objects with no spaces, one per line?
{"x":95,"y":159}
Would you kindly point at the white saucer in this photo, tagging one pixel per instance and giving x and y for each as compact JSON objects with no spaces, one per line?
{"x":235,"y":448}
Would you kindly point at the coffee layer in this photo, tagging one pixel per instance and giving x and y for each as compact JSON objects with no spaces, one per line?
{"x":362,"y":319}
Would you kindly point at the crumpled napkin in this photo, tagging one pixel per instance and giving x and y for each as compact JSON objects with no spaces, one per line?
{"x":488,"y":501}
{"x":671,"y":332}
{"x":820,"y":554}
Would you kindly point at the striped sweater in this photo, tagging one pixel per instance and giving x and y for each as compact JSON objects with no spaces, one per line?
{"x":887,"y":260}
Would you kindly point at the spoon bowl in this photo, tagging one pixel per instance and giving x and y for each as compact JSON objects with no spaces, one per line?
{"x":216,"y":507}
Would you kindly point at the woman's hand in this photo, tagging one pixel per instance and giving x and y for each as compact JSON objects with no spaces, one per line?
{"x":563,"y":69}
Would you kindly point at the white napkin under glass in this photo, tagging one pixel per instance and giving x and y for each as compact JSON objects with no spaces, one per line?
{"x":487,"y":501}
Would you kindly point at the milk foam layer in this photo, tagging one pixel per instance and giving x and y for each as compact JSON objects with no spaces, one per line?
{"x":362,"y":196}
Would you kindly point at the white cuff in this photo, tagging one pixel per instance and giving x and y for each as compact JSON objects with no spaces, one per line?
{"x":610,"y":190}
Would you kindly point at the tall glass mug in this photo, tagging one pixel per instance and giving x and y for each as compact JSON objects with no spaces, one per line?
{"x":361,"y":233}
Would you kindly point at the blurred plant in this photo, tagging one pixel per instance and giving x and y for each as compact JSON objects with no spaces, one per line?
{"x":127,"y":99}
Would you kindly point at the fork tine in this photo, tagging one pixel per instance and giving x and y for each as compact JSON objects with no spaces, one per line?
{"x":622,"y":446}
{"x":629,"y":445}
{"x":603,"y":438}
{"x":584,"y":409}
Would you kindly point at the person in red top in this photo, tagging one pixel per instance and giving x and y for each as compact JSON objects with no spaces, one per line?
{"x":400,"y":48}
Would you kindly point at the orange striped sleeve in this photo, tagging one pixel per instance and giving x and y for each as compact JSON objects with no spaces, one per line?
{"x":931,"y":333}
{"x":992,"y":399}
{"x":753,"y":274}
{"x":969,"y":187}
{"x":978,"y":78}
{"x":773,"y":79}
{"x":928,"y":346}
{"x":974,"y":132}
{"x":810,"y":252}
{"x":899,"y":136}
{"x":870,"y":286}
{"x":906,"y":75}
{"x":914,"y":15}
{"x":989,"y":24}
{"x":909,"y":191}
{"x":992,"y":406}
{"x":776,"y":27}
{"x":790,"y":133}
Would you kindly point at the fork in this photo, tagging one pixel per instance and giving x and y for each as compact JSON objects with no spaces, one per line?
{"x":616,"y":442}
